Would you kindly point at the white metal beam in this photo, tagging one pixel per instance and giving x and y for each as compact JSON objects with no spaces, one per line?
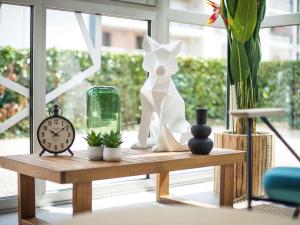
{"x":281,"y":20}
{"x":76,"y":80}
{"x":188,"y":17}
{"x":87,"y":37}
{"x":160,"y":24}
{"x":95,"y":54}
{"x":10,"y":122}
{"x":14,"y":86}
{"x":98,"y":40}
{"x":105,"y":7}
{"x":39,"y":70}
{"x":22,"y":2}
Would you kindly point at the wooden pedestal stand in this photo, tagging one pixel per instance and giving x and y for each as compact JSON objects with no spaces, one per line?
{"x":263,"y":158}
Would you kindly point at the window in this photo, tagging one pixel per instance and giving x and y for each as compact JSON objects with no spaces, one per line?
{"x":106,"y":39}
{"x":14,"y":88}
{"x":278,"y":76}
{"x":190,"y":5}
{"x":278,"y":7}
{"x":122,"y":33}
{"x":201,"y":79}
{"x":121,"y":67}
{"x":69,"y":61}
{"x":71,"y":70}
{"x":61,"y":62}
{"x":68,"y":58}
{"x":279,"y":85}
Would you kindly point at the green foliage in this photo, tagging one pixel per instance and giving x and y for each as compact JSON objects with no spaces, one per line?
{"x":94,"y":139}
{"x":201,"y":82}
{"x":112,"y":139}
{"x":126,"y":73}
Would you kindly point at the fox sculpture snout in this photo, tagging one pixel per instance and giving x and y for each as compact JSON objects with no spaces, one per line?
{"x":160,"y":70}
{"x":163,"y":109}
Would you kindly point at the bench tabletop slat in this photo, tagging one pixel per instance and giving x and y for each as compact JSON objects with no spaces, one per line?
{"x":67,"y":169}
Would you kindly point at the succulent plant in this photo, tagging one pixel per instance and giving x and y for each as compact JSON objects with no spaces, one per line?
{"x":112,"y":139}
{"x":94,"y":139}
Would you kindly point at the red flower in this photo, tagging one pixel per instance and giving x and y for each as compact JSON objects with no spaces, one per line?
{"x":217,"y":11}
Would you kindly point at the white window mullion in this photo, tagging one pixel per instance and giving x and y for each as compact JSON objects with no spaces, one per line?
{"x":108,"y":8}
{"x":281,"y":20}
{"x":188,"y":17}
{"x":39,"y":81}
{"x":160,"y":25}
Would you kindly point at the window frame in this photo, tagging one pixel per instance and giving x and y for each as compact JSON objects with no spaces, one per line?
{"x":38,"y":65}
{"x":157,"y":13}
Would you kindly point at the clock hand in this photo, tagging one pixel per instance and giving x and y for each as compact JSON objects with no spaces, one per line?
{"x":55,"y":134}
{"x":62,"y":129}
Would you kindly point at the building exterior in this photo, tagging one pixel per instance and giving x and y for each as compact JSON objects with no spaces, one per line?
{"x":279,"y":43}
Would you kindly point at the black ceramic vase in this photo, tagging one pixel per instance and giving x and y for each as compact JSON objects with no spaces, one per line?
{"x":200,"y":143}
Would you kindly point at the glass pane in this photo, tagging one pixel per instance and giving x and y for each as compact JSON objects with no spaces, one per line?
{"x":277,"y":7}
{"x":120,"y":66}
{"x":14,"y":66}
{"x":274,"y":7}
{"x":191,"y":5}
{"x":201,"y":78}
{"x":279,"y":86}
{"x":122,"y":35}
{"x":67,"y":56}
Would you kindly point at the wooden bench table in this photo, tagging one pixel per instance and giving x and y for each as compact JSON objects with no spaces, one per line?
{"x":79,"y":171}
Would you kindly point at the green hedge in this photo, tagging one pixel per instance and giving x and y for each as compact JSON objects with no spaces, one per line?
{"x":201,"y":82}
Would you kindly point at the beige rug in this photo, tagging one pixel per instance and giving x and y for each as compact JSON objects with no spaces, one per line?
{"x":268,"y":208}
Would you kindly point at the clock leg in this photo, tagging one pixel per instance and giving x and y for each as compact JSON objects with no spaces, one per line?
{"x":42,"y":152}
{"x":69,"y":150}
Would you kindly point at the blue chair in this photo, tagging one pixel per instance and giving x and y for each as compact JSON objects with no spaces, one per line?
{"x":282,"y":184}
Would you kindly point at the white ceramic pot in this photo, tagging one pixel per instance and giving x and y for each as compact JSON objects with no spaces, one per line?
{"x":95,"y":153}
{"x":112,"y":154}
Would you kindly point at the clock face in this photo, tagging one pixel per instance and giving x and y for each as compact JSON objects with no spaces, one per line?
{"x":56,"y":134}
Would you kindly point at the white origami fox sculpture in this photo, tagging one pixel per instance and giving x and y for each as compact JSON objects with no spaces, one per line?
{"x":163,"y":109}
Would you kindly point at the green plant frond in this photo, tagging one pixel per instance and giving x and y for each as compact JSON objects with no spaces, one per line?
{"x":244,"y":21}
{"x":231,"y":6}
{"x":239,"y":64}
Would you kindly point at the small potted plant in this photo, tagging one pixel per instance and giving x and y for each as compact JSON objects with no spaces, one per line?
{"x":112,"y":151}
{"x":95,"y":149}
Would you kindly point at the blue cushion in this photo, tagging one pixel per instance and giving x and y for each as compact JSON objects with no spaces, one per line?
{"x":283,"y":184}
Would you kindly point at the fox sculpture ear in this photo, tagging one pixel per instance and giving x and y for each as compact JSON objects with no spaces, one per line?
{"x":149,"y":44}
{"x":174,"y":48}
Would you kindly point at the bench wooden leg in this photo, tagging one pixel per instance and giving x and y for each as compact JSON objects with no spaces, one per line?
{"x":162,"y":185}
{"x":26,"y":200}
{"x":82,"y":197}
{"x":226,"y":185}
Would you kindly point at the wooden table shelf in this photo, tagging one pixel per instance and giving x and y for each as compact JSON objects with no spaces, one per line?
{"x":79,"y":171}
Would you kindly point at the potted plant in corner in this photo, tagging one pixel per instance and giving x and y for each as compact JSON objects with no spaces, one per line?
{"x":95,"y":149}
{"x":242,"y":19}
{"x":112,"y":151}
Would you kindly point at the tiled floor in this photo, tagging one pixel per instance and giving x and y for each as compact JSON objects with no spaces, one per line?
{"x":197,"y":192}
{"x":201,"y":191}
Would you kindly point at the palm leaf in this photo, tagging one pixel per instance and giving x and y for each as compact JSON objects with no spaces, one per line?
{"x":231,"y":6}
{"x":239,"y":64}
{"x":244,"y":21}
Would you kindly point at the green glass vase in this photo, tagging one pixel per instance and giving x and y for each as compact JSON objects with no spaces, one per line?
{"x":103,"y":109}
